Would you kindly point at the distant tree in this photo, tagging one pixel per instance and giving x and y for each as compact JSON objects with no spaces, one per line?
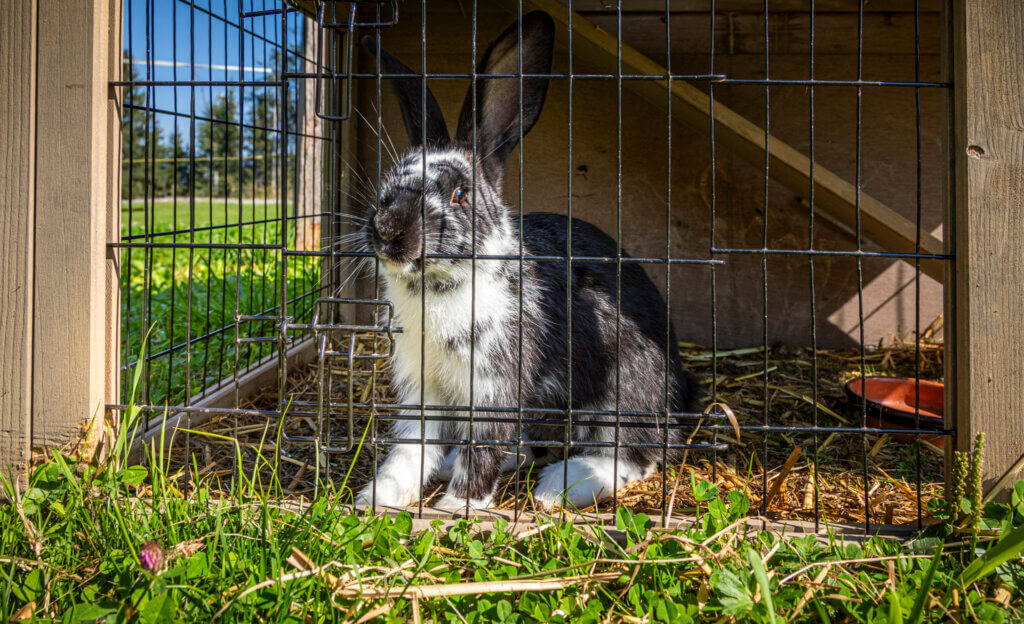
{"x":218,"y":143}
{"x":147,"y":168}
{"x":263,"y":110}
{"x":156,"y":163}
{"x":262,"y":141}
{"x":182,"y":173}
{"x":138,"y":131}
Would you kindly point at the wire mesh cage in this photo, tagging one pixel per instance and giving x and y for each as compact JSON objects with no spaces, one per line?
{"x":281,"y":245}
{"x":209,"y":175}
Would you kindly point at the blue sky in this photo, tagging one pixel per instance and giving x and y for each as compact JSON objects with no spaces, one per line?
{"x":179,"y":35}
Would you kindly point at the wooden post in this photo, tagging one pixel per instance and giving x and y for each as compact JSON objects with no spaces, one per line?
{"x":949,"y":320}
{"x":112,"y":257}
{"x":17,"y":193}
{"x":60,"y":193}
{"x":310,"y":196}
{"x":988,"y":71}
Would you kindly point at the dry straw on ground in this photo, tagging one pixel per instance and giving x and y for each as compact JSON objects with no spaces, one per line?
{"x":831,"y":476}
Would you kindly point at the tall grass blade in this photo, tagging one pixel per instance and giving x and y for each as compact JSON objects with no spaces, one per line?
{"x":917,"y":611}
{"x":895,"y":612}
{"x":762,"y":581}
{"x":129,"y":423}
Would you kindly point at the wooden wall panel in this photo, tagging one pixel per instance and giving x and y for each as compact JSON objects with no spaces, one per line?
{"x":885,"y":34}
{"x":989,"y":151}
{"x":112,"y":215}
{"x":753,"y":6}
{"x":75,"y":119}
{"x":788,"y":33}
{"x":17,"y":118}
{"x":888,"y":172}
{"x":650,"y":7}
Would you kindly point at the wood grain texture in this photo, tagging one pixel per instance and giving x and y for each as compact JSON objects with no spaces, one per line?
{"x":751,"y":6}
{"x":885,"y":35}
{"x":259,"y":377}
{"x":788,"y":33}
{"x":950,"y":173}
{"x":310,"y":195}
{"x":341,"y":175}
{"x":684,"y":6}
{"x":834,"y":196}
{"x":70,"y":367}
{"x":17,"y":91}
{"x":989,"y":57}
{"x":112,"y":258}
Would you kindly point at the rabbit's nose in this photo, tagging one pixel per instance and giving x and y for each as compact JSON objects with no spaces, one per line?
{"x":384,"y":228}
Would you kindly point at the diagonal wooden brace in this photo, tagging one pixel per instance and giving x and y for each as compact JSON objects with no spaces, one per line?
{"x":834,"y":198}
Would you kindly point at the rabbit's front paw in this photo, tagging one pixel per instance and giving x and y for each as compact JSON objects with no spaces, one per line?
{"x":454,"y":503}
{"x":584,"y":481}
{"x":573,"y":483}
{"x":387,"y":492}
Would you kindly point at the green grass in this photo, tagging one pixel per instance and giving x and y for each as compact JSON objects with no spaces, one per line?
{"x":167,"y":214}
{"x":110,"y":542}
{"x":155,"y":291}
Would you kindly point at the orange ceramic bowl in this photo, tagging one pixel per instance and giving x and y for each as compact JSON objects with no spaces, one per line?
{"x":890,"y":405}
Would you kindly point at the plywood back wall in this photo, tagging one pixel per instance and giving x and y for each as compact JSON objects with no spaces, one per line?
{"x":737,"y":190}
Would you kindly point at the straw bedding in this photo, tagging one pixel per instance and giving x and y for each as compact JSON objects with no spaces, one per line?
{"x":802,"y":475}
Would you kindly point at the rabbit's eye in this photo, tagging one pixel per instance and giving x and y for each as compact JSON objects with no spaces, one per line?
{"x":459,"y":197}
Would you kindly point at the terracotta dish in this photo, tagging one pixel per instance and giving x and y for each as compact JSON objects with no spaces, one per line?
{"x":890,"y":405}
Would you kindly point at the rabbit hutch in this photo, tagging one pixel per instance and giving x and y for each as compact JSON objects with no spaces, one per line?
{"x":827,"y":196}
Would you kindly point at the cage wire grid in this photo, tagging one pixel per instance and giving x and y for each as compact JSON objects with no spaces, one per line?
{"x":254,"y":285}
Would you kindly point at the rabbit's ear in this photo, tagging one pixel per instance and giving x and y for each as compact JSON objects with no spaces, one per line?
{"x":499,"y":111}
{"x":410,"y":100}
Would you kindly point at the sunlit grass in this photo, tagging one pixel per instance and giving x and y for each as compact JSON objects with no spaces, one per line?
{"x":165,"y":215}
{"x":117,"y":543}
{"x":196,"y":293}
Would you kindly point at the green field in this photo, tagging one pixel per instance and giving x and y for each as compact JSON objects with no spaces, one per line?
{"x":166,"y":290}
{"x":167,"y":215}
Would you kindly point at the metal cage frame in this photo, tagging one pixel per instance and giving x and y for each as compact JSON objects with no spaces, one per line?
{"x":318,"y":319}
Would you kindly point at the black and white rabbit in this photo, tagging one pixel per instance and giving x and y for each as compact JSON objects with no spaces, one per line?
{"x":439,"y":174}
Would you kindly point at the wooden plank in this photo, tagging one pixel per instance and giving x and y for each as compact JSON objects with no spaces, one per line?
{"x":885,"y":35}
{"x":529,"y":521}
{"x":839,"y":199}
{"x":752,"y":6}
{"x":788,"y":33}
{"x":74,"y":125}
{"x":17,"y":160}
{"x":310,"y":196}
{"x":889,"y":151}
{"x":633,"y":7}
{"x":988,"y":39}
{"x":261,"y":376}
{"x":949,"y":180}
{"x":306,"y":6}
{"x":406,"y":10}
{"x":112,"y":328}
{"x":341,"y":173}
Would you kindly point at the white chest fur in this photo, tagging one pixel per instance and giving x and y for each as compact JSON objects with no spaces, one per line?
{"x":437,"y":343}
